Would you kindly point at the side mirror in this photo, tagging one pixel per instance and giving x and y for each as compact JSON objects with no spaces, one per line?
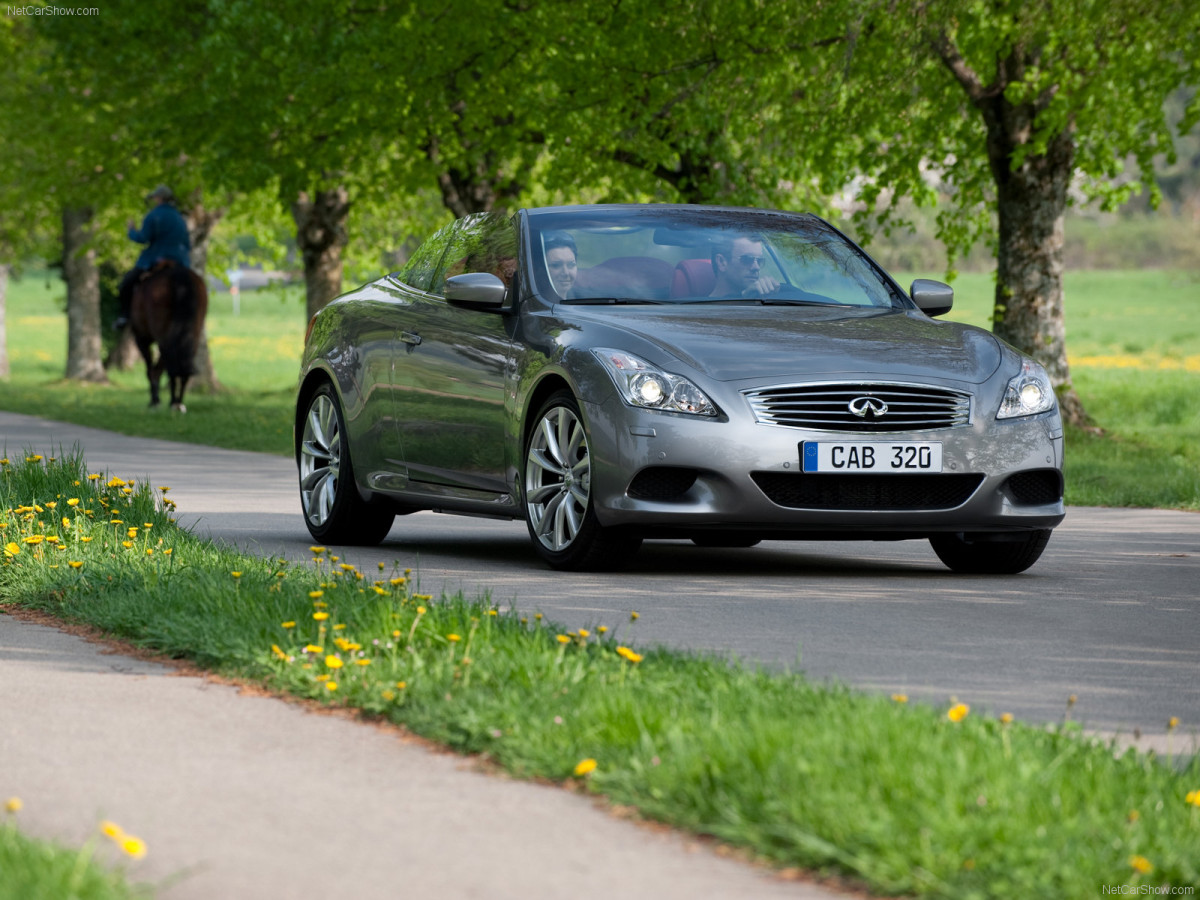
{"x":932,"y":297}
{"x":476,"y":290}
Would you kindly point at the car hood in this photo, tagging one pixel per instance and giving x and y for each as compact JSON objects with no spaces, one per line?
{"x":735,"y":343}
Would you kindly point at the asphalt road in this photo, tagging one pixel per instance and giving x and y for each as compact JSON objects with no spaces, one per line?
{"x":1110,"y":614}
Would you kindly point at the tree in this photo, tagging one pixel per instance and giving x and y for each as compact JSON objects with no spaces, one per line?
{"x":1004,"y":106}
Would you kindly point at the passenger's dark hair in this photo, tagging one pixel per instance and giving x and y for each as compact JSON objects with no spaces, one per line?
{"x":553,"y":239}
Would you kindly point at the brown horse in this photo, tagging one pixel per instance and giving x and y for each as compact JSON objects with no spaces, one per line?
{"x":168,"y":309}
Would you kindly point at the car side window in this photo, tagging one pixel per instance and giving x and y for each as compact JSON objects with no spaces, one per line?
{"x":423,"y":266}
{"x":484,"y":242}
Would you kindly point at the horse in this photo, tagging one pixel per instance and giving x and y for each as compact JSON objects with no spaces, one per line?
{"x":168,"y":309}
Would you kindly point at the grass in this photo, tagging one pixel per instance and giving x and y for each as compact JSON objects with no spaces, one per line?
{"x":1134,"y":339}
{"x":32,"y":869}
{"x":904,"y":798}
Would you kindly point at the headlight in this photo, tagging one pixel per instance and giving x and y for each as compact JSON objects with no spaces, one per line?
{"x":644,"y":385}
{"x":1028,"y":393}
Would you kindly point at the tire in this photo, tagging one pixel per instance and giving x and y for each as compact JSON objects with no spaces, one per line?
{"x":334,"y":511}
{"x":558,"y":494}
{"x":989,"y":557}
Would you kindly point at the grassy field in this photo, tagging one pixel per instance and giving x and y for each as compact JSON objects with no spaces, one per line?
{"x":903,"y":798}
{"x":1133,"y":338}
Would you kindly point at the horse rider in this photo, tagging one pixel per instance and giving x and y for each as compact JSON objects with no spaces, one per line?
{"x":166,"y":237}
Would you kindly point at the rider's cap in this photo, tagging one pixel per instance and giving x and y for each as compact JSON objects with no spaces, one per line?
{"x":161,"y":191}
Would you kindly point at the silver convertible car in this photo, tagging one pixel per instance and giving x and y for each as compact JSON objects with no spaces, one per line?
{"x":612,"y":374}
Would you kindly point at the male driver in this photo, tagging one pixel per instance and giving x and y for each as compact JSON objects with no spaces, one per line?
{"x":738,"y":265}
{"x":166,"y":236}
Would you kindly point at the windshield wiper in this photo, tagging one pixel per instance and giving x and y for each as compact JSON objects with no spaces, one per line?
{"x":609,"y":301}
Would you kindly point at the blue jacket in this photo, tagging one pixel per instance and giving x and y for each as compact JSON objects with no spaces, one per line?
{"x":166,"y":233}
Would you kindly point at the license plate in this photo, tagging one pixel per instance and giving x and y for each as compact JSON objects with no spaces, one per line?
{"x":876,"y":457}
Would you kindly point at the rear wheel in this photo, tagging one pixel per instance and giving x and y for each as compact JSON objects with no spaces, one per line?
{"x":987,"y":555}
{"x":334,"y":511}
{"x":559,"y":509}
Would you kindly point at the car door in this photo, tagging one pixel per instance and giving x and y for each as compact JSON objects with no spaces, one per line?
{"x":450,"y":375}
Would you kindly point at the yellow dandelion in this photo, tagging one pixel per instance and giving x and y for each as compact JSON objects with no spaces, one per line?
{"x":332,"y":662}
{"x":278,"y":653}
{"x":320,"y":616}
{"x":11,"y":549}
{"x":88,"y":540}
{"x":73,"y":502}
{"x":628,"y":654}
{"x":93,"y":478}
{"x":900,"y":698}
{"x":112,"y":830}
{"x":584,"y":633}
{"x":1193,"y":798}
{"x":634,"y":616}
{"x":563,"y":639}
{"x":313,"y":648}
{"x":381,"y":591}
{"x":149,"y":551}
{"x":421,"y":610}
{"x":585,"y":767}
{"x":331,"y":686}
{"x":1006,"y":719}
{"x":389,"y":696}
{"x":402,"y":684}
{"x":316,"y":551}
{"x":315,"y":595}
{"x":396,"y":582}
{"x":114,"y":482}
{"x":453,"y":638}
{"x":1141,"y":865}
{"x":603,"y":629}
{"x":362,"y":662}
{"x":287,"y":624}
{"x":958,"y":712}
{"x":34,"y":539}
{"x":168,"y":551}
{"x":1172,"y":723}
{"x":13,"y":804}
{"x":236,"y":575}
{"x":75,"y":563}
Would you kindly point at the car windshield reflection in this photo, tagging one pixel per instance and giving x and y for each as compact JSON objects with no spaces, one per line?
{"x":624,"y":256}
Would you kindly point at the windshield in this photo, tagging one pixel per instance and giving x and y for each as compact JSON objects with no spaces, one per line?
{"x":699,"y":255}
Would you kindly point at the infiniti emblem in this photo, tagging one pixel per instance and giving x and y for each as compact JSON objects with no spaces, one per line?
{"x":868,"y":407}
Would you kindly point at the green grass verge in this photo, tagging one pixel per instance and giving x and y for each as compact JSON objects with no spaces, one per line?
{"x":32,"y":869}
{"x":1134,"y":340}
{"x":903,"y":797}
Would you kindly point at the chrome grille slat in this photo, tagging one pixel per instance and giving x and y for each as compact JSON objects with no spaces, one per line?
{"x":826,"y":407}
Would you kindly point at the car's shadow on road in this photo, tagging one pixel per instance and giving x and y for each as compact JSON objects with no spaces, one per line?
{"x":682,"y":558}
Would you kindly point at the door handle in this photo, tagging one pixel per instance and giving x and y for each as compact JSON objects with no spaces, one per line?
{"x":411,"y":338}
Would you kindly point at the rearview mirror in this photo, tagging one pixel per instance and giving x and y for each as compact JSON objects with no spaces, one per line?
{"x":932,"y":297}
{"x":477,"y":290}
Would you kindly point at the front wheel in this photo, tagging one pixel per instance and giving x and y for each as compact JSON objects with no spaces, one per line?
{"x":559,"y":509}
{"x":1008,"y":556}
{"x":333,"y":510}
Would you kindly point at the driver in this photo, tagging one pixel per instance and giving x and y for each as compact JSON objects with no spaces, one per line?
{"x":738,"y":266}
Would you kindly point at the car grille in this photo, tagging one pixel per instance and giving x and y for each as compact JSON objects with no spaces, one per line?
{"x":827,"y":407}
{"x":867,"y":492}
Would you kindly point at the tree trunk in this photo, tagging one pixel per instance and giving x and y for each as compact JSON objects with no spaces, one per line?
{"x":1031,"y":201}
{"x":4,"y":370}
{"x":83,"y":298}
{"x":1031,"y":204}
{"x":200,"y":223}
{"x":321,"y":236}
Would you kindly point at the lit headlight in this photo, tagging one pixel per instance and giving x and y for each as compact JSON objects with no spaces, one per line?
{"x":1028,"y":393}
{"x":644,"y":385}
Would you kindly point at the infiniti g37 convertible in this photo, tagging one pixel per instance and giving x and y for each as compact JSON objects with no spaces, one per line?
{"x":613,"y":374}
